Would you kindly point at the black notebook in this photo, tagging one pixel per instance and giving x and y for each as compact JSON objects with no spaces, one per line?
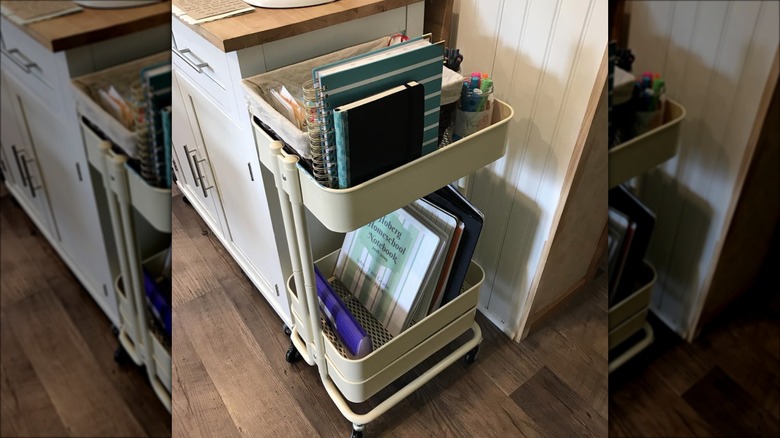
{"x":449,"y":199}
{"x":636,"y":241}
{"x":379,"y":133}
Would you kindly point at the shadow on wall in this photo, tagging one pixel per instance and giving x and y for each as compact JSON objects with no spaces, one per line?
{"x":690,"y":193}
{"x":507,"y":191}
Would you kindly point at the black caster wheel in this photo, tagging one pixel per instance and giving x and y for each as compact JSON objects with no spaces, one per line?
{"x":186,"y":201}
{"x":115,"y":330}
{"x":357,"y":431}
{"x":471,"y":356}
{"x":120,"y":356}
{"x":287,"y":330}
{"x":292,"y":355}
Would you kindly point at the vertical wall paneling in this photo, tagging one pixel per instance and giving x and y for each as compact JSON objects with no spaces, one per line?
{"x":715,"y":57}
{"x":544,"y":57}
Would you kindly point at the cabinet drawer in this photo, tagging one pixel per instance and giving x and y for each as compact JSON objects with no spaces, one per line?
{"x":206,"y":65}
{"x":30,"y":62}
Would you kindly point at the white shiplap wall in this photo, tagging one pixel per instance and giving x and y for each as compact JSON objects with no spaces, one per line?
{"x":544,"y":57}
{"x":716,"y":57}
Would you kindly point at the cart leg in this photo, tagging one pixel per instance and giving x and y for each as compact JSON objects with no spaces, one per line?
{"x":186,"y":201}
{"x":292,"y":354}
{"x":357,"y":430}
{"x":471,"y":356}
{"x":121,"y":356}
{"x":115,"y":330}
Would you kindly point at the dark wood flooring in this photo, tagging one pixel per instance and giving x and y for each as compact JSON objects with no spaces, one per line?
{"x":230,"y":377}
{"x":57,"y":372}
{"x":726,"y":383}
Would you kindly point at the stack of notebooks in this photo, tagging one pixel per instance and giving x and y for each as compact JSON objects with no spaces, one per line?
{"x":374,"y":112}
{"x":403,"y":266}
{"x":629,"y":230}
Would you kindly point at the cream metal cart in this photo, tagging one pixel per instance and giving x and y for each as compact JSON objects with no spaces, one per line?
{"x":139,"y":218}
{"x":348,"y":209}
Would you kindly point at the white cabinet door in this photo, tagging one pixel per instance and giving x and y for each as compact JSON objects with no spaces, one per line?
{"x":67,"y":183}
{"x":231,"y":151}
{"x":193,"y":164}
{"x":23,"y":161}
{"x":10,"y":139}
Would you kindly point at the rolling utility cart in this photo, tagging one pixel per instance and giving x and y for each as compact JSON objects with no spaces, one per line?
{"x":136,"y":214}
{"x":342,"y":210}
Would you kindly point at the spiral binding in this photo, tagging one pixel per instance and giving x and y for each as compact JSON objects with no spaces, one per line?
{"x":321,"y":135}
{"x":151,"y":157}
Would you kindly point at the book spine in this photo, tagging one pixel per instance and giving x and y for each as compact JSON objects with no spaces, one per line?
{"x":341,"y":129}
{"x":319,"y":126}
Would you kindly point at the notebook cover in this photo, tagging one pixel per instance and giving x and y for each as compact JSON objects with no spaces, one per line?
{"x":378,"y":135}
{"x":385,"y":264}
{"x":624,"y":201}
{"x":422,"y":65}
{"x":450,"y":199}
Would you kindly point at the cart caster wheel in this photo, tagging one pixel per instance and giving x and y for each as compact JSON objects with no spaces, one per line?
{"x":186,"y":201}
{"x":292,"y":355}
{"x":357,"y":431}
{"x":115,"y":330}
{"x":287,"y":330}
{"x":471,"y":356}
{"x":120,"y":356}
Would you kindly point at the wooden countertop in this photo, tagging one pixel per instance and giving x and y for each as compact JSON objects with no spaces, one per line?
{"x":266,"y":25}
{"x":93,"y":25}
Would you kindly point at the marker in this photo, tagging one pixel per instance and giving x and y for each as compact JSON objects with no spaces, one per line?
{"x":486,"y":85}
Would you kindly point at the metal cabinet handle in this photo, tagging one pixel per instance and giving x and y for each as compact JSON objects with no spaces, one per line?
{"x":78,"y":171}
{"x":198,"y":66}
{"x":192,"y":171}
{"x":22,"y":61}
{"x":251,"y":175}
{"x":200,"y":177}
{"x":29,"y":177}
{"x":18,"y":164}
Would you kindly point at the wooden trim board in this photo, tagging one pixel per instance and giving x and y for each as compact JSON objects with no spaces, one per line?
{"x":573,"y":174}
{"x":755,"y":134}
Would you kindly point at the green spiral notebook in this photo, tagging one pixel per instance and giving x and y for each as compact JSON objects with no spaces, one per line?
{"x":355,"y":78}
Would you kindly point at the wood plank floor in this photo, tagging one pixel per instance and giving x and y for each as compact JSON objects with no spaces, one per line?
{"x":726,"y":383}
{"x":231,"y":379}
{"x":57,"y":373}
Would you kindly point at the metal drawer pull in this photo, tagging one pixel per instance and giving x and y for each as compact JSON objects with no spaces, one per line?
{"x":200,"y":177}
{"x":251,"y":175}
{"x":18,"y":164}
{"x":24,"y":63}
{"x":78,"y":171}
{"x":198,"y":66}
{"x":192,"y":171}
{"x":29,"y":177}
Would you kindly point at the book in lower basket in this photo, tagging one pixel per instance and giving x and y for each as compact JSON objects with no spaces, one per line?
{"x":400,"y":266}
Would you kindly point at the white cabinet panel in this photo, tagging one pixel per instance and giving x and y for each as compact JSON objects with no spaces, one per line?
{"x":192,"y":154}
{"x":23,"y":164}
{"x":66,"y":181}
{"x":241,"y":191}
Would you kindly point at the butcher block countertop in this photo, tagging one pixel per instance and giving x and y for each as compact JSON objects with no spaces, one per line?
{"x":266,"y":25}
{"x":94,"y":25}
